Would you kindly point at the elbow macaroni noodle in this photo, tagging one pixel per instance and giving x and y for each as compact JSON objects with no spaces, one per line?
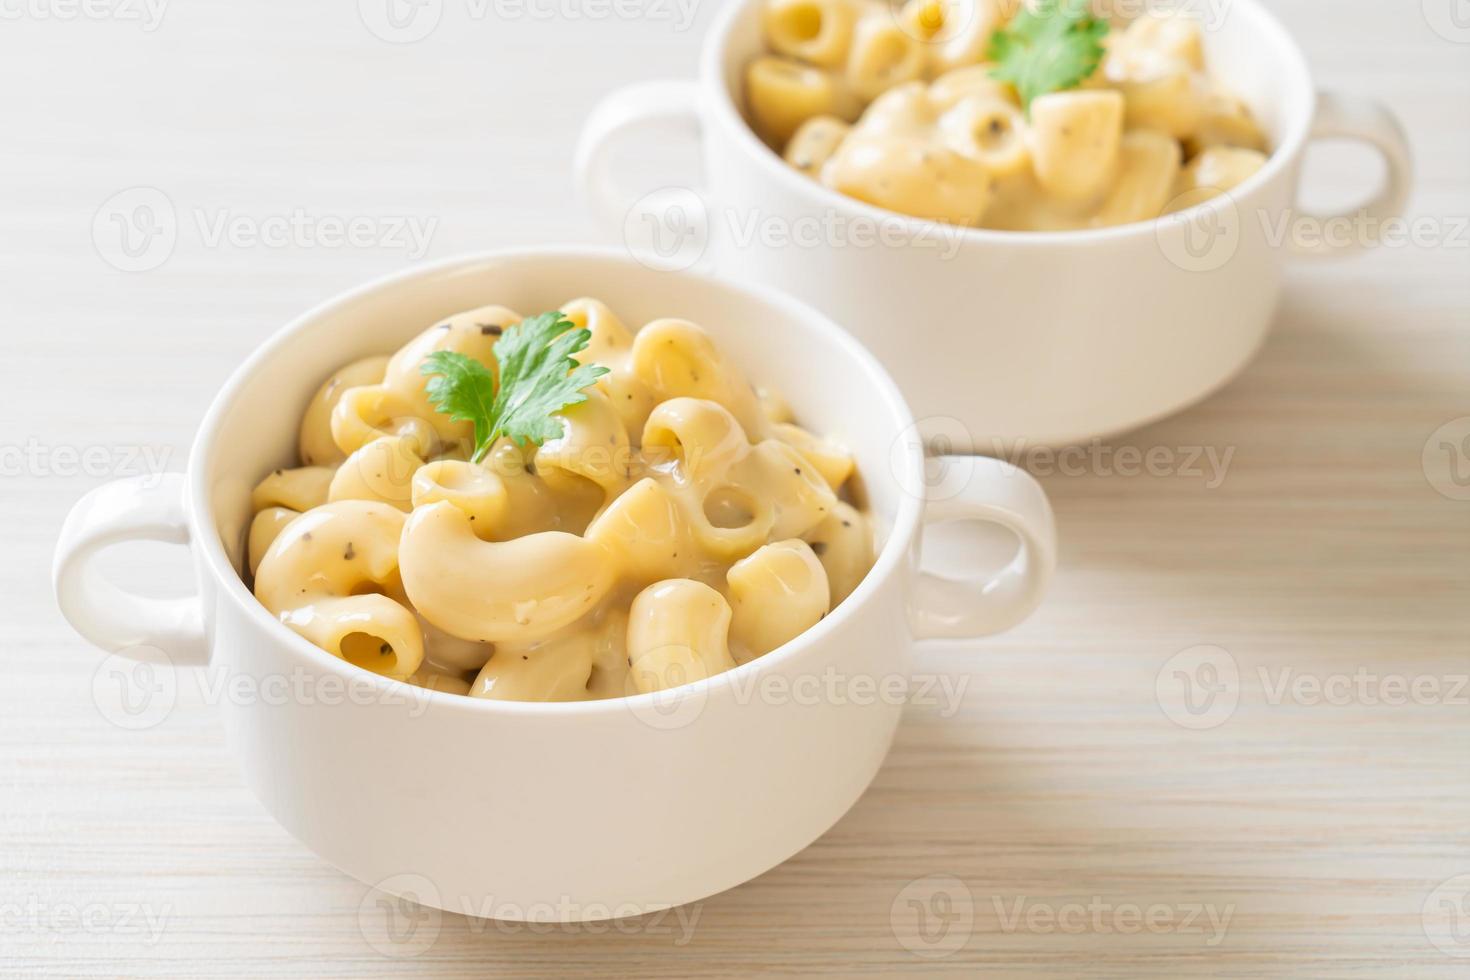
{"x":681,"y":523}
{"x":896,"y":107}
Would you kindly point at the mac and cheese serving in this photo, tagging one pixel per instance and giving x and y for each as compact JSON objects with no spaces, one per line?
{"x":554,"y":508}
{"x":964,"y":111}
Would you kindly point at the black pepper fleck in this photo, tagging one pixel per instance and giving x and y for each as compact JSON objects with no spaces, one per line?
{"x":349,"y":554}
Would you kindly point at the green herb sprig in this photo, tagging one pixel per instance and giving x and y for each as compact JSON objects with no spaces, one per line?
{"x":1049,"y":46}
{"x":538,"y":377}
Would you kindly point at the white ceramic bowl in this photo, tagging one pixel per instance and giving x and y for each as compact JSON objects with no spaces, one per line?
{"x":580,"y":810}
{"x":1001,"y":338}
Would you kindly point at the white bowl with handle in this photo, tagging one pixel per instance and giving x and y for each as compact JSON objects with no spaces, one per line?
{"x":1002,"y":338}
{"x":570,"y":811}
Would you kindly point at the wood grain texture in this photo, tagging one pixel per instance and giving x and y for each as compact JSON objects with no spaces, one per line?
{"x":1056,"y":790}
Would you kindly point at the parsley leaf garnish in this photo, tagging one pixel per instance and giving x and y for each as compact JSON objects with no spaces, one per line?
{"x":464,"y":389}
{"x":1049,"y":46}
{"x":538,"y":376}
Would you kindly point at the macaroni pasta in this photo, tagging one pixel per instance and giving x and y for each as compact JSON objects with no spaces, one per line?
{"x":680,"y":524}
{"x":895,"y":106}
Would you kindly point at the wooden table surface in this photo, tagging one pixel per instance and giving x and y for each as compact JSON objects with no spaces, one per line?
{"x":1234,"y":742}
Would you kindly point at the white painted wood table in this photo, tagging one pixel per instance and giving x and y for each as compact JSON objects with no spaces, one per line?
{"x":1084,"y":819}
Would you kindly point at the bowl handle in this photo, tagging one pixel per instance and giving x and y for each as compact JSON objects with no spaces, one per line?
{"x":634,"y":110}
{"x":990,"y":491}
{"x":142,"y":508}
{"x":1354,"y":118}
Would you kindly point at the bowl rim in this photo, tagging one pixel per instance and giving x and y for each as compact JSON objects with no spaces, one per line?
{"x":207,"y":543}
{"x":725,"y":107}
